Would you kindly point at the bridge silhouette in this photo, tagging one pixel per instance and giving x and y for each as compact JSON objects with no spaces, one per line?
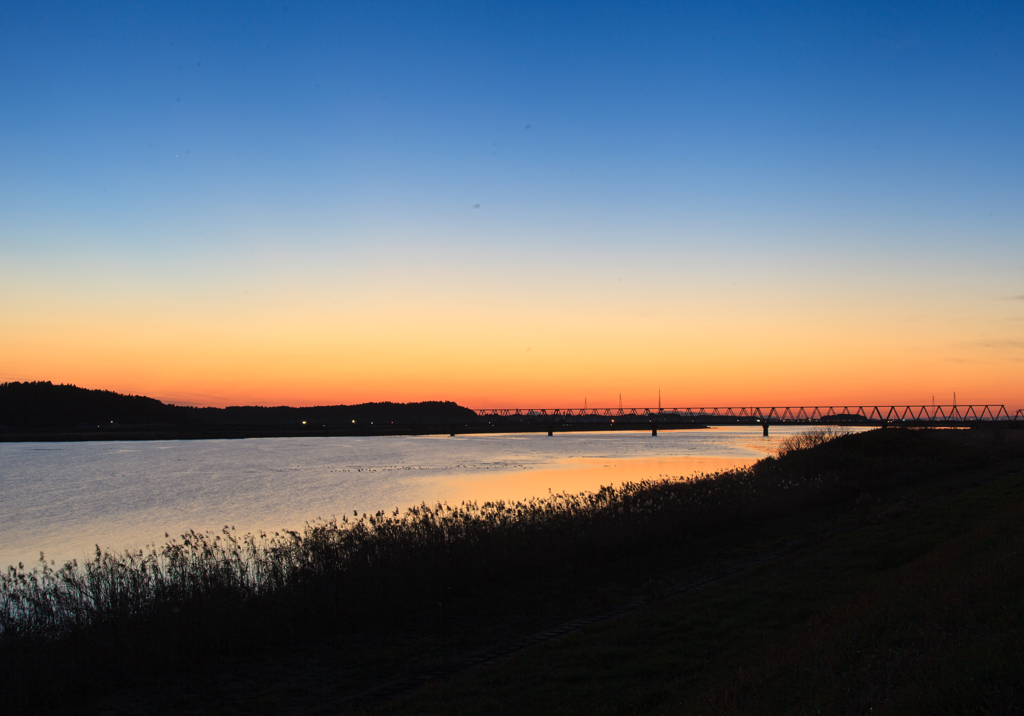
{"x":584,"y":419}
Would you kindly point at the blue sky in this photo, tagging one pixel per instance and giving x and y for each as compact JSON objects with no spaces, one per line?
{"x":169,"y":150}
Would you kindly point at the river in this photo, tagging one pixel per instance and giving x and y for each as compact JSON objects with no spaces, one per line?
{"x":63,"y":498}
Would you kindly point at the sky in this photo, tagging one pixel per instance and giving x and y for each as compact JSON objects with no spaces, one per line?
{"x":515,"y":204}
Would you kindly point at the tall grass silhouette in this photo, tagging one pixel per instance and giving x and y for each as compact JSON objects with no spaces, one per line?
{"x":810,"y":439}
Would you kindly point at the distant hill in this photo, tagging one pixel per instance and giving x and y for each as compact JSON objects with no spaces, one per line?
{"x":42,"y":405}
{"x":430,"y":412}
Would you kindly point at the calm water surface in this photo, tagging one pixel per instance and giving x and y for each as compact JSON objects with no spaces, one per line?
{"x":64,"y":498}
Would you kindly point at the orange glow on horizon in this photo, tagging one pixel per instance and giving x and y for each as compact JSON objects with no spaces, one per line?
{"x":496,"y":381}
{"x":488,"y":350}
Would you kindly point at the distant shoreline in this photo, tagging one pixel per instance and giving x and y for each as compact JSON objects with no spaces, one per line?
{"x":44,"y":412}
{"x":241,"y":432}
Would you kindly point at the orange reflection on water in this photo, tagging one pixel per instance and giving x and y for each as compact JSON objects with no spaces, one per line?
{"x":581,"y":474}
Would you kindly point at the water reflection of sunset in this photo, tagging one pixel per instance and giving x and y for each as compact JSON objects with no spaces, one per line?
{"x":582,"y":474}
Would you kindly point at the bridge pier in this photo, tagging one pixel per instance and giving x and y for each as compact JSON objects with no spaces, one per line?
{"x":550,"y":432}
{"x":765,"y":426}
{"x":654,"y":431}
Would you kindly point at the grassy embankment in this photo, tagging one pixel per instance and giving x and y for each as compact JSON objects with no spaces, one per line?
{"x":382,"y":593}
{"x":905,"y":608}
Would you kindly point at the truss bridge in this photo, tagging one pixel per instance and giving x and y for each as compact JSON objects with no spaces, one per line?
{"x":581,"y":419}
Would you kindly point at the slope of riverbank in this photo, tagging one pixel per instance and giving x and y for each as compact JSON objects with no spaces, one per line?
{"x":915,"y":608}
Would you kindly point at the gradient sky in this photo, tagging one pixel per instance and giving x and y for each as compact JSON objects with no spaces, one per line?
{"x":298,"y":203}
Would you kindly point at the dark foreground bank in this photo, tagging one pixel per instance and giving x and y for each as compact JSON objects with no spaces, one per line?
{"x":372,"y":595}
{"x":911,"y":603}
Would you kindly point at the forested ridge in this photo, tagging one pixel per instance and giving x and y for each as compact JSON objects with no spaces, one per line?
{"x":43,"y":405}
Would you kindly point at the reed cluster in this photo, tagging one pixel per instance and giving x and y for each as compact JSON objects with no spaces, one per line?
{"x":812,"y":438}
{"x":354,"y":562}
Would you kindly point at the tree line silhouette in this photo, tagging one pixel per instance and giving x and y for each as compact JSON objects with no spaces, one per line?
{"x":43,"y":405}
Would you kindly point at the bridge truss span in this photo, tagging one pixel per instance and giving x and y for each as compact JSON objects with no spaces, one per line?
{"x":867,"y":415}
